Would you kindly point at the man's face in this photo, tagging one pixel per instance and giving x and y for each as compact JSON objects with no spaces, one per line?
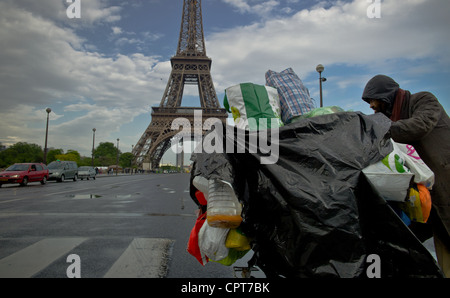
{"x":377,"y":105}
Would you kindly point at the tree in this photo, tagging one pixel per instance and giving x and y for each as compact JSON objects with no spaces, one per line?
{"x":51,"y":154}
{"x":71,"y":155}
{"x":21,"y":152}
{"x":126,"y":160}
{"x":85,"y":161}
{"x":106,"y":154}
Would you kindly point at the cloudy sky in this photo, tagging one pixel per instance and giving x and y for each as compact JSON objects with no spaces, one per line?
{"x":107,"y":68}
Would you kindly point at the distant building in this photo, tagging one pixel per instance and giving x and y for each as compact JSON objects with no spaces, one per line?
{"x":180,"y":157}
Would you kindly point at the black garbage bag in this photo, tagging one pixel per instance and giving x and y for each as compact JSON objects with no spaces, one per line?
{"x":312,"y":213}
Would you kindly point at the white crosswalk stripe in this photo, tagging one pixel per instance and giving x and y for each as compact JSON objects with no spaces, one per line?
{"x":29,"y":261}
{"x":143,"y":258}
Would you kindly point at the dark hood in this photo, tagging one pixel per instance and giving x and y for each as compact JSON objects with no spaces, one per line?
{"x":383,"y":88}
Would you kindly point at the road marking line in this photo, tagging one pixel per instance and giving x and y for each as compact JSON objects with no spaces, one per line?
{"x":13,"y":200}
{"x":36,"y":257}
{"x":144,"y":258}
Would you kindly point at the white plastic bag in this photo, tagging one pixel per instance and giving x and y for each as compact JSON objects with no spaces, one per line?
{"x":211,"y":242}
{"x":390,"y":176}
{"x":391,"y":186}
{"x":422,"y":173}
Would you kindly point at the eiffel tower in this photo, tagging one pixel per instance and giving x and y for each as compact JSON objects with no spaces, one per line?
{"x":190,"y":65}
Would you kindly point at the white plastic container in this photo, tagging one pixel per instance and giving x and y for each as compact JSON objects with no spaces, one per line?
{"x":201,"y":183}
{"x":224,"y":209}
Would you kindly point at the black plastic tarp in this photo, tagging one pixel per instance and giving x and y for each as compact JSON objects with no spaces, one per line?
{"x":313,"y":213}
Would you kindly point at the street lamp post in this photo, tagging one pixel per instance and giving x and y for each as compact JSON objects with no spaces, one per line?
{"x":131,"y":163}
{"x":117,"y":163}
{"x":48,"y":110}
{"x":93,"y":142}
{"x":320,"y":68}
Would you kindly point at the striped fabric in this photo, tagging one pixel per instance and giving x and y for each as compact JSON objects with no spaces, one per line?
{"x":294,"y":96}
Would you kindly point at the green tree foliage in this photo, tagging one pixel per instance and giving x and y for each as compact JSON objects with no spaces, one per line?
{"x":126,"y":160}
{"x":85,"y":161}
{"x":21,"y":152}
{"x":71,"y":155}
{"x":106,"y":154}
{"x":51,"y":154}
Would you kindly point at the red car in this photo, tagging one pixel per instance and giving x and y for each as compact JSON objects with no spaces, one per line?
{"x":23,"y":173}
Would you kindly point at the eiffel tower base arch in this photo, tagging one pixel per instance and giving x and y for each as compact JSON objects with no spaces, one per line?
{"x":170,"y":122}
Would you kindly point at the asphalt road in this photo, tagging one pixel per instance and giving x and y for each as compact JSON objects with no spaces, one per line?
{"x":117,"y":226}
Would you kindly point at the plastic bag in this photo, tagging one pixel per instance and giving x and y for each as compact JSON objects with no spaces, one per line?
{"x":237,"y":240}
{"x":425,"y":201}
{"x":193,"y":243}
{"x":319,"y":112}
{"x":211,"y":242}
{"x":390,"y":176}
{"x":201,"y":198}
{"x":412,"y":207}
{"x":249,"y":103}
{"x":422,"y":173}
{"x":418,"y":205}
{"x":294,"y":96}
{"x":233,"y":256}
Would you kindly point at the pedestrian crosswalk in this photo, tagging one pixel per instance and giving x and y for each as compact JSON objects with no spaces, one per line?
{"x":142,"y":258}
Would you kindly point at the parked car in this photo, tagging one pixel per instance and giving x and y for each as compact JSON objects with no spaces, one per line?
{"x":86,"y":172}
{"x":23,"y":173}
{"x":62,"y":170}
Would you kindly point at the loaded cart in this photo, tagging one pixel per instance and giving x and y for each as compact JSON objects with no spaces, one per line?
{"x":310,"y":211}
{"x":314,"y":213}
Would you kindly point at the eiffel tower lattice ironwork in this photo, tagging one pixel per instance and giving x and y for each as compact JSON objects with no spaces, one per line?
{"x":190,"y":65}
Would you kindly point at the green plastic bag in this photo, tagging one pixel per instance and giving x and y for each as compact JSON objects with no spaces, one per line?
{"x":233,"y":256}
{"x":249,"y":103}
{"x":319,"y":112}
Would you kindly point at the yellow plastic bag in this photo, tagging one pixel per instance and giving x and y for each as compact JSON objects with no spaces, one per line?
{"x":237,"y":240}
{"x":233,"y":256}
{"x":418,"y":205}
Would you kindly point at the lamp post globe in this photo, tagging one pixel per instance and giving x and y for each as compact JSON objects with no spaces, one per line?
{"x":320,"y":68}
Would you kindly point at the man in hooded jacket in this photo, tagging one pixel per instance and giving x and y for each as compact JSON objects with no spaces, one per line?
{"x":421,"y":121}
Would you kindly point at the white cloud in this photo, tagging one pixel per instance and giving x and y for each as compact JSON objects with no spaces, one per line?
{"x":99,"y":11}
{"x":258,"y":7}
{"x":116,"y":30}
{"x":241,"y":5}
{"x":140,"y":41}
{"x":341,"y":33}
{"x":46,"y":65}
